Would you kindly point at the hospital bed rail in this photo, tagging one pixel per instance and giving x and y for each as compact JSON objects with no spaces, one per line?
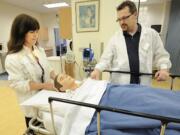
{"x":164,"y":120}
{"x":137,"y":74}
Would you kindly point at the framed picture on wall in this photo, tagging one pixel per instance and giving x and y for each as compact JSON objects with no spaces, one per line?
{"x":87,"y":16}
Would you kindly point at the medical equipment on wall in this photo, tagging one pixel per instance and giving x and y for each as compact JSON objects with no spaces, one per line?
{"x":88,"y":58}
{"x":70,"y":56}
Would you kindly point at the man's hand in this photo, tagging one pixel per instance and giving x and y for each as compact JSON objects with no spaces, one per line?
{"x":95,"y":74}
{"x":162,"y":75}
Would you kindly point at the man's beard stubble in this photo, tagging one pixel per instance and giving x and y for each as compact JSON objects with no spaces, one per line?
{"x":124,"y":27}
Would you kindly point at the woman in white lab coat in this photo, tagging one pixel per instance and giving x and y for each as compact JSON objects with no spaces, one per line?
{"x":150,"y":50}
{"x":26,"y":61}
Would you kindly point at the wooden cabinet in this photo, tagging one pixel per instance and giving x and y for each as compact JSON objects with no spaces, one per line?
{"x":69,"y":69}
{"x":43,"y":34}
{"x":65,"y":22}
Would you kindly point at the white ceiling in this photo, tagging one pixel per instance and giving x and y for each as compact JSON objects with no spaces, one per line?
{"x":153,"y":1}
{"x":35,"y":5}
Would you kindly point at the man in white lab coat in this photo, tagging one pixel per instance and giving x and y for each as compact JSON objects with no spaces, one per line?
{"x":134,"y":49}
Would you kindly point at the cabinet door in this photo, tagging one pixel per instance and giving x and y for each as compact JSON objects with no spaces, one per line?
{"x":65,"y":22}
{"x":43,"y":34}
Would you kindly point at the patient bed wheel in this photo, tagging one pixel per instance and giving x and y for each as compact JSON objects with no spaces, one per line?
{"x":36,"y":123}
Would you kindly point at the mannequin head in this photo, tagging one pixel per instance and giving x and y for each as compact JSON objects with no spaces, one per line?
{"x":66,"y":82}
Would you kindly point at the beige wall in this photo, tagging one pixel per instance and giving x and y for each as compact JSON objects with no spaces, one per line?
{"x":107,"y":25}
{"x":7,"y":14}
{"x":50,"y":21}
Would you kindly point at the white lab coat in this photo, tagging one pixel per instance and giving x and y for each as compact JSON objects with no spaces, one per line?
{"x":151,"y":54}
{"x":23,"y":68}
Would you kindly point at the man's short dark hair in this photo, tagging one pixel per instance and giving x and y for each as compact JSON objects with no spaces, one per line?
{"x":130,"y":4}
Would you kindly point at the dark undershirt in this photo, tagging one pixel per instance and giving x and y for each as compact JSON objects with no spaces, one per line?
{"x":132,"y":44}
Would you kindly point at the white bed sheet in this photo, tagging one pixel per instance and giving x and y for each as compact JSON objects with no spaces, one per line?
{"x":58,"y":120}
{"x":75,"y":118}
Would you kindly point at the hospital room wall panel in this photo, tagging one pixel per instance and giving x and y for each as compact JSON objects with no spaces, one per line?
{"x":154,"y":14}
{"x":173,"y":40}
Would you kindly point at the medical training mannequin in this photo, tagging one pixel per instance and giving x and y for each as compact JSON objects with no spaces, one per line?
{"x":26,"y":62}
{"x":134,"y":48}
{"x":65,"y":82}
{"x":133,"y":97}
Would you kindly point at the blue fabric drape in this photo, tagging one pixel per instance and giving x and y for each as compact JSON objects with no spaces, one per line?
{"x":140,"y":99}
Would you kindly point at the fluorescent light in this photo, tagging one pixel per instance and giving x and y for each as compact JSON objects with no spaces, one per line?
{"x":54,"y":5}
{"x":138,"y":0}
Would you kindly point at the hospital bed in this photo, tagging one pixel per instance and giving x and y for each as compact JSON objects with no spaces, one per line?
{"x":99,"y":108}
{"x":40,"y":128}
{"x":164,"y":120}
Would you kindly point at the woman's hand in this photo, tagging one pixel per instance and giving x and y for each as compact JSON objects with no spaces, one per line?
{"x":48,"y":86}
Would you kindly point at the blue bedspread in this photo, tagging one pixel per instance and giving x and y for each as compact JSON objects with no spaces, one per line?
{"x":141,"y":99}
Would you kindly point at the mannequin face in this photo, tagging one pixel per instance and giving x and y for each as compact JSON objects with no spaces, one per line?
{"x":67,"y":82}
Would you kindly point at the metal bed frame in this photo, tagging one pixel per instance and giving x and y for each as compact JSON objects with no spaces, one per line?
{"x":38,"y":129}
{"x":137,"y":74}
{"x":164,"y":120}
{"x":36,"y":124}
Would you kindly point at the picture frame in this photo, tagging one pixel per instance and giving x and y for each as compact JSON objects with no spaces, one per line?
{"x":87,"y":16}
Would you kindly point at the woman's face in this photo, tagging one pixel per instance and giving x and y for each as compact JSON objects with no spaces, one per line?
{"x":66,"y":81}
{"x":31,"y":37}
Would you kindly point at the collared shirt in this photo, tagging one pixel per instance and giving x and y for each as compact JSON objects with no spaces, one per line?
{"x":132,"y":44}
{"x":23,"y":68}
{"x":37,"y":64}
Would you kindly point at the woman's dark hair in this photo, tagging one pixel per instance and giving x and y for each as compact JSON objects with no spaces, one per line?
{"x":129,"y":4}
{"x":22,"y":24}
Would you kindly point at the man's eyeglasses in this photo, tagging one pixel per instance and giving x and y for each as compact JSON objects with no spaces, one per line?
{"x":123,"y":18}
